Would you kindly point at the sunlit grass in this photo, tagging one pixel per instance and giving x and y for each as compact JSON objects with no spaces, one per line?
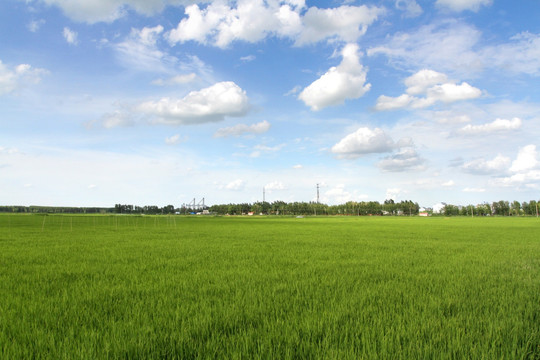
{"x":206,"y":287}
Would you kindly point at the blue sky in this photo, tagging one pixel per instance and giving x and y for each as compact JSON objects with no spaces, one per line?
{"x":157,"y":102}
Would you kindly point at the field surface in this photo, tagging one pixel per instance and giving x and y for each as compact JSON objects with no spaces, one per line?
{"x":110,"y":287}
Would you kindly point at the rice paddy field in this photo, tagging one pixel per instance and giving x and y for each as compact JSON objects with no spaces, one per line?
{"x":172,"y":287}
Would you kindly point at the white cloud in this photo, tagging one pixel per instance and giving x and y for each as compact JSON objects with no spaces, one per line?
{"x":298,"y":166}
{"x":410,"y":8}
{"x":140,"y":51}
{"x":434,"y":86}
{"x":207,"y":105}
{"x":18,"y":77}
{"x":248,"y":58}
{"x":405,"y":160}
{"x":242,"y":129}
{"x":456,"y":47}
{"x":498,"y":165}
{"x":447,"y":46}
{"x":34,"y":25}
{"x":92,"y":11}
{"x":393,"y":193}
{"x":175,"y":80}
{"x":236,"y":185}
{"x":275,"y":185}
{"x":525,"y":169}
{"x":474,"y":190}
{"x":527,"y":159}
{"x":521,"y":55}
{"x":174,"y":140}
{"x":461,"y":5}
{"x":449,"y":183}
{"x":70,"y":36}
{"x":221,"y":23}
{"x":112,"y":120}
{"x":345,"y":23}
{"x":346,"y":81}
{"x":496,"y":126}
{"x":364,"y":141}
{"x":260,"y":149}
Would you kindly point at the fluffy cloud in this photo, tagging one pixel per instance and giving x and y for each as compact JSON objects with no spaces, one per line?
{"x":221,"y":23}
{"x":527,"y":159}
{"x":18,"y":77}
{"x":345,"y":23}
{"x":70,"y":36}
{"x":275,"y":185}
{"x":498,"y":165}
{"x":434,"y":86}
{"x":410,"y":8}
{"x":236,"y":185}
{"x":364,"y":141}
{"x":346,"y":81}
{"x":461,"y":5}
{"x":525,"y":169}
{"x":242,"y":129}
{"x":495,"y":126}
{"x":92,"y":11}
{"x":207,"y":105}
{"x":404,"y":160}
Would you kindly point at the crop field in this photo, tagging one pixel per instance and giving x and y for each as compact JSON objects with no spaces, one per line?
{"x":173,"y":287}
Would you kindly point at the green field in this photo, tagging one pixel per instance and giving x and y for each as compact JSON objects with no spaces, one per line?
{"x":109,"y":287}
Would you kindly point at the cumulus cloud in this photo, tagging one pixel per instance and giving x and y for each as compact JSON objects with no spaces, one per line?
{"x":12,"y":79}
{"x":346,"y":81}
{"x":236,"y":185}
{"x":461,"y":5}
{"x":525,"y":169}
{"x":92,"y":11}
{"x":70,"y":36}
{"x":393,"y":193}
{"x":405,"y":160}
{"x":498,"y":165}
{"x":207,"y":105}
{"x":243,"y":129}
{"x":499,"y":125}
{"x":527,"y":159}
{"x":364,"y":141}
{"x":275,"y":185}
{"x":221,"y":23}
{"x":434,"y":86}
{"x":345,"y":23}
{"x":410,"y":8}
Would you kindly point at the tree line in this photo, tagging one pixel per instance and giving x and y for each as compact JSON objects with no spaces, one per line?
{"x":499,"y":208}
{"x":350,"y":208}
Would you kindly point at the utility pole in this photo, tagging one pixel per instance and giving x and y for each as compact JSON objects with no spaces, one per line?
{"x":317,"y":193}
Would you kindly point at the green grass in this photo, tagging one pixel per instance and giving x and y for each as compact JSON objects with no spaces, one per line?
{"x":109,"y":287}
